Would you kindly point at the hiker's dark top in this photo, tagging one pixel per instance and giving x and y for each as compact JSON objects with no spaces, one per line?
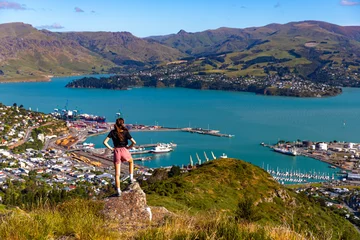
{"x":116,"y":140}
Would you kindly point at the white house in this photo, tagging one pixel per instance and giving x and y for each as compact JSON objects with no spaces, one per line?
{"x":323,"y":146}
{"x":350,"y":145}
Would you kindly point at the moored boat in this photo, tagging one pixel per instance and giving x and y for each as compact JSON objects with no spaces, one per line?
{"x":223,"y":156}
{"x":161,"y":149}
{"x":290,"y":151}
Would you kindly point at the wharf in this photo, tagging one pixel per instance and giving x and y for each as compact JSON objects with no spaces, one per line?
{"x":207,"y":132}
{"x":140,"y":152}
{"x":142,"y":158}
{"x":148,"y":128}
{"x":162,"y":129}
{"x":147,"y":145}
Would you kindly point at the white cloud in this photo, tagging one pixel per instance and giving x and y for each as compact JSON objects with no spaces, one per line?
{"x":50,"y":27}
{"x":349,"y":3}
{"x":12,"y":6}
{"x":78,"y":10}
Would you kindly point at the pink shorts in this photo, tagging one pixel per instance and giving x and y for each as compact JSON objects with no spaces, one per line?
{"x":121,"y":155}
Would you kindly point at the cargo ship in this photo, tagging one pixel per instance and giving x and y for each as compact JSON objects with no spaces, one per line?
{"x":69,"y":115}
{"x":290,"y":151}
{"x":92,"y":118}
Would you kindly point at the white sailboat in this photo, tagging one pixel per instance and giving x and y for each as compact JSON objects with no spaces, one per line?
{"x":191,"y":161}
{"x":206,"y":158}
{"x":213,"y":156}
{"x":199,"y":160}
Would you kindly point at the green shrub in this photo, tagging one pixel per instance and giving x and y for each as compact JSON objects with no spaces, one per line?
{"x":246,"y":211}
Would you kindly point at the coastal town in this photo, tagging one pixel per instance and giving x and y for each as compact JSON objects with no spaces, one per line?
{"x":343,"y":200}
{"x":28,"y":147}
{"x":54,"y":148}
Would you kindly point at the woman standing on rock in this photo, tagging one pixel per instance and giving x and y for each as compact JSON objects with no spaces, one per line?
{"x":120,"y":136}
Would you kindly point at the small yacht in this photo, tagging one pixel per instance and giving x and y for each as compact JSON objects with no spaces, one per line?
{"x":223,"y":156}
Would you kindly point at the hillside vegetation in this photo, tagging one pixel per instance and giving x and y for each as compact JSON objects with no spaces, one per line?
{"x":229,"y":185}
{"x":222,"y":199}
{"x":300,"y":48}
{"x":27,"y":53}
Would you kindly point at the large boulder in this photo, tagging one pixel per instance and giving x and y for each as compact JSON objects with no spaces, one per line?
{"x":131,"y":211}
{"x":130,"y":207}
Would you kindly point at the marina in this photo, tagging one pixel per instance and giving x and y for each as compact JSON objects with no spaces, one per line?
{"x":285,"y":176}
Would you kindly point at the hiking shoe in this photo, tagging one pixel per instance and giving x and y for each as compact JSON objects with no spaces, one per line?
{"x":132,"y":181}
{"x":118,"y":194}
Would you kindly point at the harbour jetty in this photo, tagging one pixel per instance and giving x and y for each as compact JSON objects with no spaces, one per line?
{"x":210,"y":132}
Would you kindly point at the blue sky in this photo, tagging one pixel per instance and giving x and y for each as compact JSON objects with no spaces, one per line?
{"x":146,"y":18}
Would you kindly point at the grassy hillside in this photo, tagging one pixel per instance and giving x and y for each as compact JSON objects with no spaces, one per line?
{"x":27,"y":53}
{"x":82,"y":219}
{"x":222,"y":184}
{"x":123,"y":48}
{"x":222,"y":199}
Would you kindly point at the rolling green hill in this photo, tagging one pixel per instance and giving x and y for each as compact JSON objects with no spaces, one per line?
{"x":300,"y":48}
{"x":27,"y":53}
{"x":123,"y":48}
{"x":281,"y":36}
{"x":220,"y":185}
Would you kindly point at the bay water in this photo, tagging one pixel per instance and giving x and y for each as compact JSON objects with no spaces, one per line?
{"x":251,"y":118}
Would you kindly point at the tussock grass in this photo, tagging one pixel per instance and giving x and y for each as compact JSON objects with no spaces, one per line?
{"x":81,"y":219}
{"x":76,"y":219}
{"x":217,"y":226}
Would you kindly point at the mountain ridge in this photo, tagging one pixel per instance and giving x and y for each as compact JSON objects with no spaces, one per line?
{"x":305,"y":48}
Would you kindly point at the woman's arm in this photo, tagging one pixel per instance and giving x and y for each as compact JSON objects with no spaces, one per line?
{"x":132,"y":143}
{"x":107,"y":145}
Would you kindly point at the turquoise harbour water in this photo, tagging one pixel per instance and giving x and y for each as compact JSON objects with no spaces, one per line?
{"x":251,"y":118}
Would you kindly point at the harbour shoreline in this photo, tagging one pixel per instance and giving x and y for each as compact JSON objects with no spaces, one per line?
{"x":337,"y":155}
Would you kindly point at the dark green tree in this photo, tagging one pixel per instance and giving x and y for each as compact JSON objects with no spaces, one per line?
{"x":246,"y":211}
{"x":174,"y":171}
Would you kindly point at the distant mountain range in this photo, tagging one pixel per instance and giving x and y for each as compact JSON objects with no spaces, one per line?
{"x":302,"y":48}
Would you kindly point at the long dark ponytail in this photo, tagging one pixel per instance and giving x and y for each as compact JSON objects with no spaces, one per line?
{"x":120,"y":128}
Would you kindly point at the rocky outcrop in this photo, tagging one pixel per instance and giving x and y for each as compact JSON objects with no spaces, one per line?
{"x":132,"y":211}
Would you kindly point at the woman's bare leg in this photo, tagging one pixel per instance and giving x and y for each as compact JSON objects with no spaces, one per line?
{"x":131,"y":166}
{"x":131,"y":169}
{"x":117,"y":174}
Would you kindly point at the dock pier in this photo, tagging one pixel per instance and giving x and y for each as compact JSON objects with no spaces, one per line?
{"x":210,"y":132}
